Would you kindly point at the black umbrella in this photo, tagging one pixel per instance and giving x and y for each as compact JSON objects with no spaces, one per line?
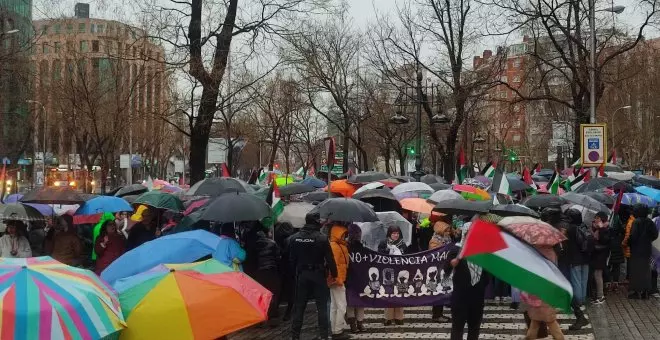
{"x":404,"y":179}
{"x":537,"y":178}
{"x":323,"y":175}
{"x":296,"y":189}
{"x":53,"y":195}
{"x":462,"y":207}
{"x":133,"y":189}
{"x":543,"y":200}
{"x":516,"y":184}
{"x":440,"y":186}
{"x":367,"y":177}
{"x":513,"y":210}
{"x":585,"y":201}
{"x":648,"y":181}
{"x":130,"y":198}
{"x":601,"y":197}
{"x":217,"y":186}
{"x":316,"y":196}
{"x":381,"y":199}
{"x":347,"y":210}
{"x":600,"y":183}
{"x":432,"y":179}
{"x":236,"y":207}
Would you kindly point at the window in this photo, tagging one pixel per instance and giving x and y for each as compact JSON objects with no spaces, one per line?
{"x":58,"y":29}
{"x":69,"y":28}
{"x":81,"y":28}
{"x":516,"y":79}
{"x":516,"y":108}
{"x":84,"y":46}
{"x":516,"y":138}
{"x":503,"y":79}
{"x":44,"y":48}
{"x":44,"y":29}
{"x":516,"y":123}
{"x":69,"y":46}
{"x":95,"y":45}
{"x":503,"y":94}
{"x":99,"y":28}
{"x":58,"y":46}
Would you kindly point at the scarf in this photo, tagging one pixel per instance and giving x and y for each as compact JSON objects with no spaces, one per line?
{"x":396,"y":243}
{"x":624,"y":243}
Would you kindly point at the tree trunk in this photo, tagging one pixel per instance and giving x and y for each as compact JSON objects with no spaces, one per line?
{"x":387,"y":158}
{"x":364,"y":160}
{"x":450,"y":159}
{"x":344,"y":147}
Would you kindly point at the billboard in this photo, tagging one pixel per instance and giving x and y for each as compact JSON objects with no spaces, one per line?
{"x":216,"y":151}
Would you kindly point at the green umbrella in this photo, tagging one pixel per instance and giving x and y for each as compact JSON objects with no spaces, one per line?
{"x":20,"y":212}
{"x":160,"y":200}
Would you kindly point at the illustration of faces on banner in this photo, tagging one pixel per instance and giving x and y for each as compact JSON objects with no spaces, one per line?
{"x":391,"y":284}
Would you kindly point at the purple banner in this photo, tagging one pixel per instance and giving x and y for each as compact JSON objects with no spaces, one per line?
{"x":380,"y":281}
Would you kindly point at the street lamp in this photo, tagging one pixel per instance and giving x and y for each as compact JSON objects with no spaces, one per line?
{"x":36,"y":142}
{"x":626,"y":107}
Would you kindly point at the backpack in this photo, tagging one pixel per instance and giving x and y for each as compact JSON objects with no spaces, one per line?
{"x":585,"y":239}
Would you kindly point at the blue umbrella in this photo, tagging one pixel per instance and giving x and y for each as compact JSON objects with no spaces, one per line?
{"x":44,"y":209}
{"x":13,"y":198}
{"x":182,"y":247}
{"x":102,"y":204}
{"x":650,"y":192}
{"x":632,"y":199}
{"x":315,"y":182}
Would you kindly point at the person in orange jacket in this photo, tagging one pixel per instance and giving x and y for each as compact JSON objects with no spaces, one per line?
{"x":338,"y":244}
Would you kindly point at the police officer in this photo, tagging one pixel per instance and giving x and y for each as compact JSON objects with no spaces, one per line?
{"x":311,"y":259}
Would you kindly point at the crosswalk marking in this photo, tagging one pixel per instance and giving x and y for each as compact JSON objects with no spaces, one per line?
{"x":482,"y":336}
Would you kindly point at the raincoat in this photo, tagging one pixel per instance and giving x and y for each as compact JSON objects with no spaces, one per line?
{"x":229,"y":252}
{"x":339,"y":248}
{"x":97,"y":230}
{"x":18,"y":243}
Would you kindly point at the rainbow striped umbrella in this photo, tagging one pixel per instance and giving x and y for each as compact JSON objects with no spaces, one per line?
{"x":45,"y":299}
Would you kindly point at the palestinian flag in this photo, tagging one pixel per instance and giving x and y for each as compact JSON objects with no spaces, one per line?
{"x":273,"y":199}
{"x":601,"y":170}
{"x":516,"y":263}
{"x":536,"y":168}
{"x":612,"y":158}
{"x":553,"y":185}
{"x":500,"y":183}
{"x":579,"y":180}
{"x":527,"y":178}
{"x":489,"y":170}
{"x":462,"y":172}
{"x":577,"y":162}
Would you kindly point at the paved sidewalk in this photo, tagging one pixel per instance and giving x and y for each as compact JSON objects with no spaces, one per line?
{"x":622,"y":319}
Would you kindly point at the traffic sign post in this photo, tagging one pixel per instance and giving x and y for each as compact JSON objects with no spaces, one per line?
{"x":593,"y":144}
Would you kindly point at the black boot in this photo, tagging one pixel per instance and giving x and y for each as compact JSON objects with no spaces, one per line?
{"x":579,"y":323}
{"x":353,"y":323}
{"x":360,"y":327}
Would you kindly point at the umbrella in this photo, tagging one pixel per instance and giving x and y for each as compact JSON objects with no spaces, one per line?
{"x":600,"y":183}
{"x":195,"y":205}
{"x":13,"y":198}
{"x":440,"y":186}
{"x":284,"y":180}
{"x":412,"y":189}
{"x":160,"y":200}
{"x":418,"y":205}
{"x":646,"y":180}
{"x":133,"y":189}
{"x":369,"y":186}
{"x":462,"y":207}
{"x":381,"y":199}
{"x":621,"y":176}
{"x":543,"y":200}
{"x":217,"y":186}
{"x":634,"y":198}
{"x":342,"y":187}
{"x":543,"y":188}
{"x":585,"y":201}
{"x":432,"y":179}
{"x":471,"y":193}
{"x":236,"y":207}
{"x":53,"y":195}
{"x":201,"y":300}
{"x":130,"y":198}
{"x":475,"y":183}
{"x":317,"y":196}
{"x":516,"y":184}
{"x":46,"y":299}
{"x":182,"y":247}
{"x":404,"y":179}
{"x":296,"y":189}
{"x":295,"y":213}
{"x":483,"y":180}
{"x":533,"y":231}
{"x":513,"y":210}
{"x":443,"y":195}
{"x":315,"y":182}
{"x":650,"y":192}
{"x":601,"y":197}
{"x":103,"y":204}
{"x":20,"y":212}
{"x":346,"y":210}
{"x":369,"y":176}
{"x":374,"y":233}
{"x":537,"y":178}
{"x":44,"y":209}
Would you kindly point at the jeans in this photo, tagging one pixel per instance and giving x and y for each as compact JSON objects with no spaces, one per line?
{"x":579,"y":280}
{"x":515,"y":295}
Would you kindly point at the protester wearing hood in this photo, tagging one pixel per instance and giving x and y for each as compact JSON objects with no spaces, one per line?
{"x":229,"y":251}
{"x":642,"y":235}
{"x":355,"y":315}
{"x":579,"y":246}
{"x":338,"y":233}
{"x":282,"y":233}
{"x":12,"y":243}
{"x":601,"y":232}
{"x":145,"y":230}
{"x":617,"y":233}
{"x":311,"y":258}
{"x":393,"y":245}
{"x":65,"y":245}
{"x":262,"y":263}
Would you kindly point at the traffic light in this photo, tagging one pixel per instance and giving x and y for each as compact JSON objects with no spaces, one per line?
{"x":512,"y":155}
{"x":411,"y":150}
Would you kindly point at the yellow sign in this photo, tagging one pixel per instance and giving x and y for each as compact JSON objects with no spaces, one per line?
{"x":593,"y":144}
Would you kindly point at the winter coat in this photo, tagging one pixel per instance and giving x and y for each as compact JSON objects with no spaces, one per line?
{"x":400,"y":244}
{"x":617,"y":231}
{"x":601,"y":249}
{"x":229,"y":250}
{"x":65,"y":247}
{"x":114,"y":248}
{"x":339,"y":253}
{"x":19,"y":243}
{"x":573,"y":249}
{"x":262,"y":254}
{"x":438,"y":239}
{"x":642,"y":235}
{"x":138,"y":235}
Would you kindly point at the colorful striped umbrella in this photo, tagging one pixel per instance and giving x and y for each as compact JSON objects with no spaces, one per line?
{"x":471,"y":193}
{"x":632,"y":199}
{"x":45,"y":299}
{"x":201,"y":300}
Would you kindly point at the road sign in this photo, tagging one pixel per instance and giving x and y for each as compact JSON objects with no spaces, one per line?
{"x":593,"y":144}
